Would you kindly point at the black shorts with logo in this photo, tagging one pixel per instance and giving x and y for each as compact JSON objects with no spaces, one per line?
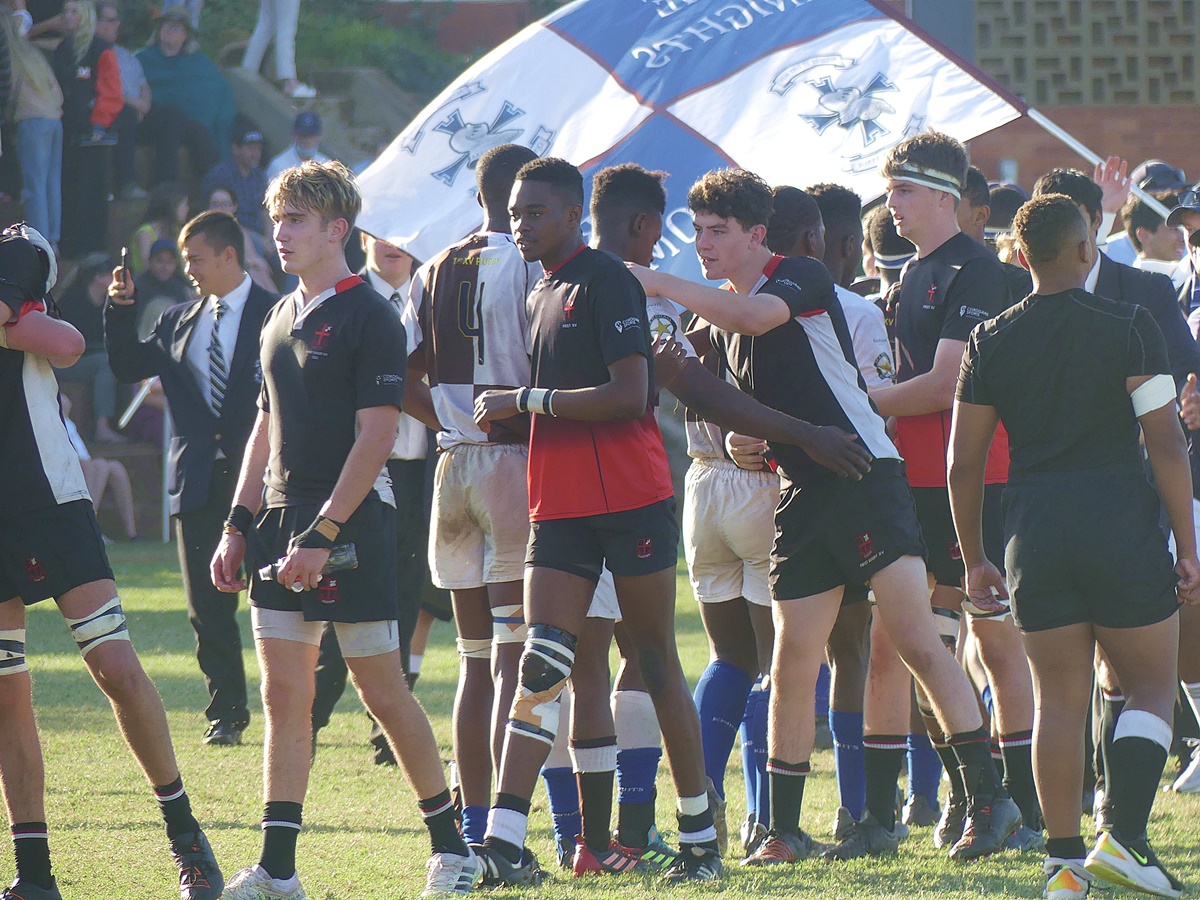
{"x":833,"y":531}
{"x":1086,"y":547}
{"x":48,"y":552}
{"x":633,"y":542}
{"x":937,"y":525}
{"x":363,"y":594}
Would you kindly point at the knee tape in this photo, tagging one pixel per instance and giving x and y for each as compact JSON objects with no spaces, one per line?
{"x":635,"y":719}
{"x":975,"y":614}
{"x":12,"y":652}
{"x":546,"y":665}
{"x":946,"y":623}
{"x":105,"y":624}
{"x":475,"y":648}
{"x":508,"y":624}
{"x":1137,"y":723}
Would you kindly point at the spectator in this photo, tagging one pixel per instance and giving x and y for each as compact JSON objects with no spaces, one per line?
{"x":165,"y":214}
{"x":99,"y":473}
{"x":222,"y":199}
{"x":306,"y":134}
{"x":83,"y":306}
{"x":1151,"y":176}
{"x":90,"y":78}
{"x":135,"y":92}
{"x":243,"y":173}
{"x":192,"y":103}
{"x":1159,"y":247}
{"x":37,"y":110}
{"x":277,"y":20}
{"x":161,"y":286}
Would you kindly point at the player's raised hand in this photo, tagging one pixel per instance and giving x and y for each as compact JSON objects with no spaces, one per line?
{"x":120,"y":289}
{"x":1188,"y":588}
{"x":1113,"y":177}
{"x":986,"y":588}
{"x":838,"y":451}
{"x":1189,"y":404}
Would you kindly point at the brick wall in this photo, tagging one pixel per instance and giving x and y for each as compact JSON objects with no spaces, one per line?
{"x":1135,"y":133}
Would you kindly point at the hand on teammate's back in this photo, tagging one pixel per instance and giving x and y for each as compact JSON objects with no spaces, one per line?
{"x":838,"y":451}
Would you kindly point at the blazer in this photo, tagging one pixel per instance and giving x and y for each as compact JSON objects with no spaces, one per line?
{"x":1155,"y":292}
{"x":199,"y":433}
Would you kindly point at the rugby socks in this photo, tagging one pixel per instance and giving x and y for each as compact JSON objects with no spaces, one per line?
{"x":1107,"y":706}
{"x":474,"y":821}
{"x":414,"y":669}
{"x":1141,"y":742}
{"x":595,"y":763}
{"x":849,"y":760}
{"x":31,"y":845}
{"x":508,"y":822}
{"x":746,"y":738}
{"x":997,"y":756}
{"x":975,"y":762}
{"x":176,"y":809}
{"x":438,"y":813}
{"x":720,"y":699}
{"x":563,"y":791}
{"x":1193,"y":695}
{"x":762,"y":719}
{"x":1017,"y":750}
{"x":924,"y":768}
{"x":787,"y":794}
{"x":1066,"y":848}
{"x":281,"y":826}
{"x":821,"y":697}
{"x":639,"y":752}
{"x":695,"y":819}
{"x":883,"y":757}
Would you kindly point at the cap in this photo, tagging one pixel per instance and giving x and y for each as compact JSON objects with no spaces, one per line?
{"x":307,"y":124}
{"x":1189,"y":201}
{"x":177,"y":13}
{"x":163,"y":244}
{"x":247,"y":134}
{"x":24,"y":270}
{"x":1156,"y":175}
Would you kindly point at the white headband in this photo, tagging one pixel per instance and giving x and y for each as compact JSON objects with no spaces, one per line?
{"x":930,"y":178}
{"x":892,"y":262}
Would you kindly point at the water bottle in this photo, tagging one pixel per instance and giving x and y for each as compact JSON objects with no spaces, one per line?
{"x":341,"y":557}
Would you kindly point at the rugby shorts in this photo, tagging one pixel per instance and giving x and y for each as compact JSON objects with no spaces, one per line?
{"x":48,"y":552}
{"x":945,"y":562}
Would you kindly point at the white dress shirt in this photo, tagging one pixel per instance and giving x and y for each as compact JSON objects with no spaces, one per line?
{"x":411,"y":438}
{"x":197,"y":348}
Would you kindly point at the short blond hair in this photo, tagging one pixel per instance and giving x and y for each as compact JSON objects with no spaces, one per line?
{"x":326,"y":189}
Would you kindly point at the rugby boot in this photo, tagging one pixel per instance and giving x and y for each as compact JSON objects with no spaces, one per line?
{"x":1131,"y":864}
{"x":1066,"y":879}
{"x":199,"y":875}
{"x":865,"y":838}
{"x":694,"y":864}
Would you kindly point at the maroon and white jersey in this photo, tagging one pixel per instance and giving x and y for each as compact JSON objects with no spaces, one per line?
{"x":472,"y":332}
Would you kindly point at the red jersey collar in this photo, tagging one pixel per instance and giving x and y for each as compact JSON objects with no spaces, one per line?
{"x":348,"y":282}
{"x":772,"y":265}
{"x":574,"y":254}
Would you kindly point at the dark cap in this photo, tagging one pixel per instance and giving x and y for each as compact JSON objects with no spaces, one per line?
{"x":247,"y":134}
{"x":307,"y":124}
{"x":1189,"y":201}
{"x":1156,"y":175}
{"x":24,"y":272}
{"x":163,"y":244}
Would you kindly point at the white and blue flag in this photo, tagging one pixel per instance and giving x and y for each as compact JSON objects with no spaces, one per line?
{"x":798,"y":91}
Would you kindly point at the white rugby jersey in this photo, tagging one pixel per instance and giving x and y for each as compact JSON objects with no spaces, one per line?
{"x":472,"y":331}
{"x":872,"y":350}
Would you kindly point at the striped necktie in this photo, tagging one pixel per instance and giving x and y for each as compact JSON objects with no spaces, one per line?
{"x":397,"y":301}
{"x":218,"y":372}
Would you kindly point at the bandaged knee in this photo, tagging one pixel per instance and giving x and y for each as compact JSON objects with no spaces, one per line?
{"x":946,"y":623}
{"x":475,"y":648}
{"x":546,"y":665}
{"x":104,"y":625}
{"x":12,"y":651}
{"x":508,"y":624}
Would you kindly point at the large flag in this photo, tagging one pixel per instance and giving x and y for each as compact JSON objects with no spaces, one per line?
{"x":799,"y":91}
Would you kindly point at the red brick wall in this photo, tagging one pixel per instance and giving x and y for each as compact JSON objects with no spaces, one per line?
{"x":1135,"y":133}
{"x":463,"y":27}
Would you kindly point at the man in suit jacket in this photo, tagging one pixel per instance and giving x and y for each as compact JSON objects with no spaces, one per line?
{"x":206,"y":355}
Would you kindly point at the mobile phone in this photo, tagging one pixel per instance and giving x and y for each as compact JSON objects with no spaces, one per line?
{"x":124,"y":262}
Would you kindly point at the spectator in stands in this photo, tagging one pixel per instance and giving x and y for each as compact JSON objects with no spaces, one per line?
{"x":161,"y":286}
{"x":192,"y":104}
{"x":1159,"y":247}
{"x":222,"y":199}
{"x":243,"y":173}
{"x":306,"y":136}
{"x":135,"y":91}
{"x":83,"y":306}
{"x":100,"y":473}
{"x":1151,"y":176}
{"x":90,"y":78}
{"x":165,"y":214}
{"x":37,"y":109}
{"x":277,"y":20}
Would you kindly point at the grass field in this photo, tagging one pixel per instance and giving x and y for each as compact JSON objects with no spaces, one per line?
{"x":363,"y":839}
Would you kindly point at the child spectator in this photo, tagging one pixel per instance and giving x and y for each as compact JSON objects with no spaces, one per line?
{"x":161,"y":286}
{"x":165,"y":214}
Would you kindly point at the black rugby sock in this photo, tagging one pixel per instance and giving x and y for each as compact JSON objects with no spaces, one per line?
{"x":281,"y":827}
{"x":31,"y":845}
{"x":176,"y":809}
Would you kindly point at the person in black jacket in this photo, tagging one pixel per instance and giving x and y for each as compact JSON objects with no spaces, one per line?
{"x":212,"y":415}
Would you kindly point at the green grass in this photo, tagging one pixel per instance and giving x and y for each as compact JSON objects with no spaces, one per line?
{"x":363,"y":839}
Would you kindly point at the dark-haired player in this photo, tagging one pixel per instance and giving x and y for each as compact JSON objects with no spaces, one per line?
{"x":599,"y":493}
{"x":952,"y":284}
{"x":784,"y":337}
{"x":841,"y":211}
{"x":1073,"y":377}
{"x":51,"y":548}
{"x":332,"y":354}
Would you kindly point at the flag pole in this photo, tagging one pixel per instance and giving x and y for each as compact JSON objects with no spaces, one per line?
{"x":1084,"y":151}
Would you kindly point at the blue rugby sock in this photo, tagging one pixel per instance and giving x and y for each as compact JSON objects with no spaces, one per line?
{"x":474,"y":824}
{"x":563,"y":791}
{"x":762,"y":807}
{"x":924,"y":768}
{"x":848,"y":759}
{"x":821,"y":700}
{"x":720,"y":700}
{"x":748,"y":738}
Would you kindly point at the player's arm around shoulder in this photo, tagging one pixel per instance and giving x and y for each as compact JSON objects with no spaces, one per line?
{"x":750,"y":314}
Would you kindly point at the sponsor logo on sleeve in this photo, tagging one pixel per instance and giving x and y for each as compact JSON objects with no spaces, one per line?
{"x":623,"y":325}
{"x":972,"y":312}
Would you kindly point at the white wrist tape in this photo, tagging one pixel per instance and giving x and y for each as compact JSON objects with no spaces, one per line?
{"x":537,"y":401}
{"x":1153,"y":394}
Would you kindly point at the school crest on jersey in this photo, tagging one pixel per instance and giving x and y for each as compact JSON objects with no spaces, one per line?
{"x":34,"y":570}
{"x":661,"y":326}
